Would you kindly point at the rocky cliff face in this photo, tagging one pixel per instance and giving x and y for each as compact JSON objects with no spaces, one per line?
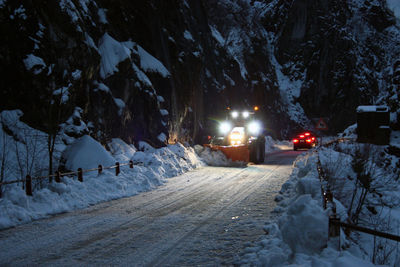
{"x":344,"y":53}
{"x":159,"y":70}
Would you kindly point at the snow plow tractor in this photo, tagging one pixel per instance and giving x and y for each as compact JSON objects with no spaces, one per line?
{"x":240,"y":138}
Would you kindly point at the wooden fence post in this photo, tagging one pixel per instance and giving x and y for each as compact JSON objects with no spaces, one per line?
{"x":329,"y":195}
{"x":117,"y":170}
{"x":131,"y":164}
{"x":80,"y":175}
{"x":334,"y":226}
{"x":58,"y":177}
{"x":28,"y":186}
{"x":100,"y":169}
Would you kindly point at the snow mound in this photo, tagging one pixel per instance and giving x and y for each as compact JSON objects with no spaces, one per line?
{"x":299,"y":236}
{"x":86,"y":153}
{"x":305,"y":226}
{"x":275,"y":145}
{"x":121,"y":151}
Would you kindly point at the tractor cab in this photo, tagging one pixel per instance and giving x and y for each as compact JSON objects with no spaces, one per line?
{"x":240,"y":137}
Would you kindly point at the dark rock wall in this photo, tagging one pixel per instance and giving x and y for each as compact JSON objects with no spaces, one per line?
{"x":217,"y":53}
{"x":345,"y":49}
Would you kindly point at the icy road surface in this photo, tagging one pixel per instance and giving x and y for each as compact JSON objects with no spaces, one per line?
{"x":205,"y":217}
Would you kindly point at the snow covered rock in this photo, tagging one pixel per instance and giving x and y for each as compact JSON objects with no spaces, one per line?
{"x":86,"y":153}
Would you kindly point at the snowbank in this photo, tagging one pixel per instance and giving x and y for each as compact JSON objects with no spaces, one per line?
{"x":121,"y":151}
{"x":152,"y":168}
{"x":304,"y":227}
{"x":274,"y":145}
{"x":299,"y":235}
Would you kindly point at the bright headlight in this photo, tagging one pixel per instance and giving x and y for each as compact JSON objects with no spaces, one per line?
{"x":225,"y":127}
{"x":235,"y":114}
{"x":254,"y":127}
{"x":245,"y":114}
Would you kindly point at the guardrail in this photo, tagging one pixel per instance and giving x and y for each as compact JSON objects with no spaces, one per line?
{"x":335,"y":224}
{"x":57,"y":176}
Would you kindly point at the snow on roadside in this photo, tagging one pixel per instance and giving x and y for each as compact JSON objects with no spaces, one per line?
{"x":275,"y":145}
{"x":152,"y":168}
{"x":299,"y":235}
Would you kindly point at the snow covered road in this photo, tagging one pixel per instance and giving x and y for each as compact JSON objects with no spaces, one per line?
{"x":204,"y":217}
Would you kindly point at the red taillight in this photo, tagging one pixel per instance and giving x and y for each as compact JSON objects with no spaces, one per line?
{"x":308,"y":140}
{"x":295,"y":140}
{"x":301,"y":136}
{"x":209,"y":137}
{"x":307,"y":134}
{"x":313,"y":138}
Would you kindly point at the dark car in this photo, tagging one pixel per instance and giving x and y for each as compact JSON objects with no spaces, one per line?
{"x":304,"y":140}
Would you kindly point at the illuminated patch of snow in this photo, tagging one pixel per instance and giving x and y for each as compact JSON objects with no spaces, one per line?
{"x":112,"y":53}
{"x":162,"y":137}
{"x":34,"y":63}
{"x":63,"y":93}
{"x":164,"y":112}
{"x":188,"y":35}
{"x":102,"y":15}
{"x":217,"y":36}
{"x":76,"y":75}
{"x":120,"y":104}
{"x":142,"y":76}
{"x":89,"y":41}
{"x":160,"y":99}
{"x":151,"y":64}
{"x":101,"y":87}
{"x":69,"y":7}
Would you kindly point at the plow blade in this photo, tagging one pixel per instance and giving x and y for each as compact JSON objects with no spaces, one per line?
{"x":235,"y":153}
